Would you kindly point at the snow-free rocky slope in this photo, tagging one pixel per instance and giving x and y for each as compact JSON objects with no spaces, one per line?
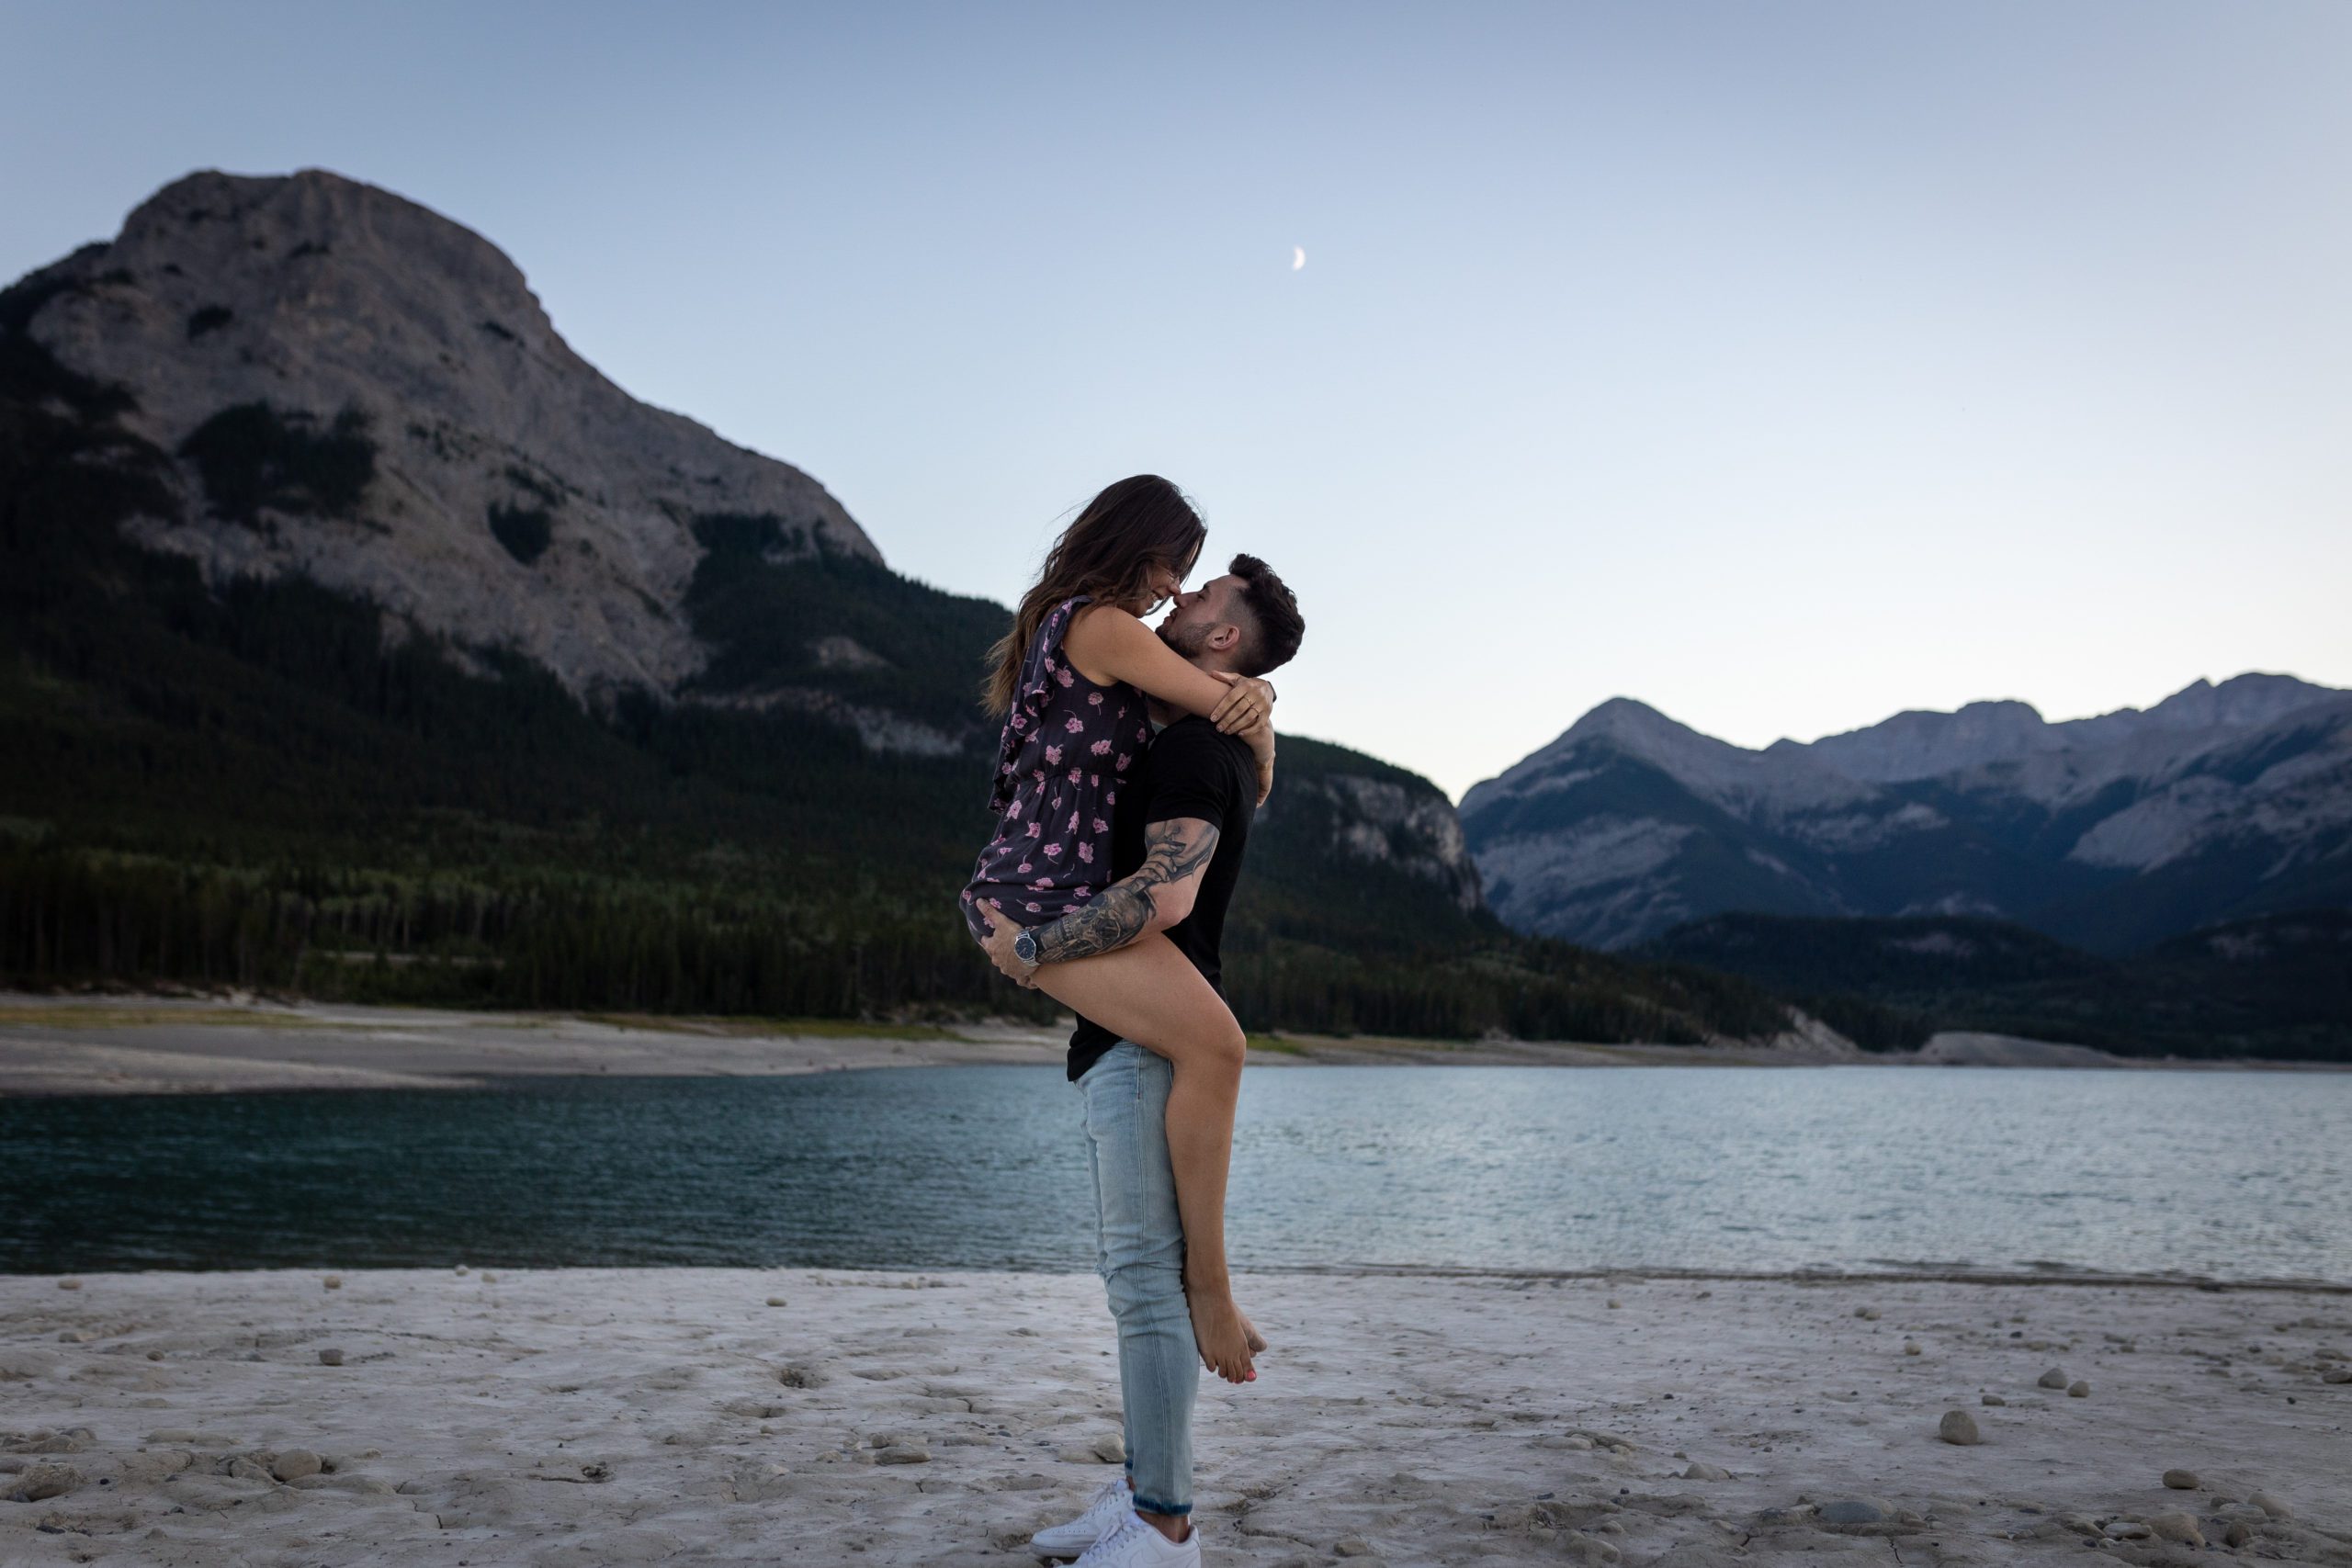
{"x":305,"y":381}
{"x":2219,"y":803}
{"x":324,"y":298}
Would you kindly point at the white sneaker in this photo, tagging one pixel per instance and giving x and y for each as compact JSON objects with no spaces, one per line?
{"x":1134,"y":1544}
{"x":1111,"y":1503}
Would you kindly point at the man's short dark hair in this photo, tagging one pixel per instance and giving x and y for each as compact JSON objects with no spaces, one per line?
{"x":1271,"y":632}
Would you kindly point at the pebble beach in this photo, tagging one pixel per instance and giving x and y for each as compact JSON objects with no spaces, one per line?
{"x":477,"y":1415}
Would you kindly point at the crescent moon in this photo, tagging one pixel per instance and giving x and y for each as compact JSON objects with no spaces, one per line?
{"x":1297,"y":257}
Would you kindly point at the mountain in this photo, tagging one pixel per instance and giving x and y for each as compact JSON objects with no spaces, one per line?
{"x":358,"y":636}
{"x":2219,"y":803}
{"x":1920,"y":745}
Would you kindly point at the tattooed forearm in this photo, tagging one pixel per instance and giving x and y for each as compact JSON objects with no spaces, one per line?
{"x":1114,"y":917}
{"x":1174,"y":852}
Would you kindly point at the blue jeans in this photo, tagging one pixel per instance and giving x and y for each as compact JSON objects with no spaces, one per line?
{"x":1139,"y":1252}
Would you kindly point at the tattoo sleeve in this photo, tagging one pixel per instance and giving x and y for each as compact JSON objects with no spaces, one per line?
{"x":1174,"y":852}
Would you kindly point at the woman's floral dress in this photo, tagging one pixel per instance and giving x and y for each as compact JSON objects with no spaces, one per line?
{"x":1069,"y":744}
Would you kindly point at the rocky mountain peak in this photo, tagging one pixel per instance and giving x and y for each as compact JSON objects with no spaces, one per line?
{"x":1715,"y":770}
{"x":362,"y":392}
{"x":2242,"y":701}
{"x":1922,"y":745}
{"x":1918,"y":744}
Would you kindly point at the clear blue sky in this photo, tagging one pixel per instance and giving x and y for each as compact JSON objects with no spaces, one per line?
{"x":1781,"y":364}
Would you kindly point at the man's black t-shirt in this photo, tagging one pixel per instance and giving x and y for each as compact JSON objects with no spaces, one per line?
{"x":1189,"y":771}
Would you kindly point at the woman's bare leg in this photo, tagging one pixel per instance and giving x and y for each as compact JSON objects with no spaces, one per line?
{"x":1149,"y":993}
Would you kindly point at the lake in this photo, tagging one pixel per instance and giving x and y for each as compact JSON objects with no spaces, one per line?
{"x":2231,"y":1175}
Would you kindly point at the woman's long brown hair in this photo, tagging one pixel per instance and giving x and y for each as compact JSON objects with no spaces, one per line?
{"x":1127,"y":530}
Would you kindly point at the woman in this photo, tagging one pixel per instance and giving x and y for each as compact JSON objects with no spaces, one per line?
{"x":1071,"y":678}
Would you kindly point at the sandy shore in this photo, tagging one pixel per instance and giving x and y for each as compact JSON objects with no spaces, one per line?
{"x":117,"y":1044}
{"x":741,"y":1416}
{"x":147,"y":1045}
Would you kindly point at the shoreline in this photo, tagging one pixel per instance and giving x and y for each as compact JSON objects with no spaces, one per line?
{"x":134,"y":1042}
{"x":1979,"y":1278}
{"x":622,"y":1416}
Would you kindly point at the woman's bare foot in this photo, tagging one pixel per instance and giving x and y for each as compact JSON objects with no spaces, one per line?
{"x":1222,"y":1334}
{"x":1250,"y":1331}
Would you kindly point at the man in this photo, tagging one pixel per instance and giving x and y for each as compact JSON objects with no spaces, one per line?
{"x":1181,"y":826}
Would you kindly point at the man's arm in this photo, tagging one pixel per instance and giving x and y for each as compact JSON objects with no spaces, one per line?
{"x":1156,"y":896}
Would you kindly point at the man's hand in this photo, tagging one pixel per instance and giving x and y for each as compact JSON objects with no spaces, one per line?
{"x":998,"y":943}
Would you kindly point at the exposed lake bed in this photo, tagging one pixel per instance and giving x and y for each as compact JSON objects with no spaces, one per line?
{"x":744,"y":1416}
{"x":242,"y":1043}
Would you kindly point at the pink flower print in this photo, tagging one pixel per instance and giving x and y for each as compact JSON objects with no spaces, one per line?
{"x":995,"y":903}
{"x":1101,"y":826}
{"x":1100,"y":748}
{"x":1053,"y":852}
{"x":1013,"y":809}
{"x":1041,"y":884}
{"x":1036,"y":907}
{"x":1053,"y":756}
{"x":1057,"y":803}
{"x":1110,"y":797}
{"x":1023,"y":869}
{"x":1035,"y":829}
{"x":1086,"y":852}
{"x":1095,"y":699}
{"x":1075,"y":725}
{"x":1037,"y":775}
{"x":1073,"y":821}
{"x":1124,"y":760}
{"x":1063,"y":676}
{"x":1095,"y":779}
{"x":1081,"y":891}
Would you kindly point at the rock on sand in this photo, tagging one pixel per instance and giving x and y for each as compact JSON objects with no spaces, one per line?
{"x":295,"y":1463}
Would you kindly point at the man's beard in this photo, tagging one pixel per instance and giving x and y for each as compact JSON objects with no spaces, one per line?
{"x":1186,"y":640}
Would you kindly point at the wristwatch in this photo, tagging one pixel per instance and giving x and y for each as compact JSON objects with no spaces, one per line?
{"x":1024,"y":948}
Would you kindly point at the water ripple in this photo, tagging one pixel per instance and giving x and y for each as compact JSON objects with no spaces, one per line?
{"x":1726,"y":1169}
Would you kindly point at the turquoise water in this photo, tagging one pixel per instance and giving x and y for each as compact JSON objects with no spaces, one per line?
{"x":2228,"y":1175}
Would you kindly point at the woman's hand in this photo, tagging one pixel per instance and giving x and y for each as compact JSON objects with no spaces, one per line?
{"x":1248,"y":704}
{"x":1254,"y":725}
{"x":1262,"y":747}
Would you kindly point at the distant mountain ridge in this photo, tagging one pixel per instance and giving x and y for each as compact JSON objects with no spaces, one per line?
{"x":2219,"y":803}
{"x":1922,"y":744}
